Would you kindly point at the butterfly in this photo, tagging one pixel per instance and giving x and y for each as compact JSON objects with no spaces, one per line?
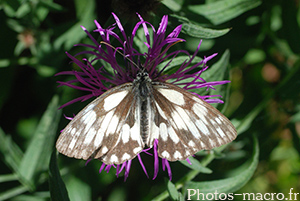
{"x":126,"y":119}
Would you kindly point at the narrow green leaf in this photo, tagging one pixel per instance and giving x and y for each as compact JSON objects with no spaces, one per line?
{"x":198,"y":31}
{"x":10,"y":7}
{"x":29,"y":198}
{"x":174,"y":194}
{"x":11,"y":152}
{"x":196,"y":165}
{"x":37,"y":155}
{"x":222,"y":11}
{"x":50,"y":5}
{"x":8,"y":177}
{"x":23,"y":10}
{"x":4,"y":63}
{"x":85,"y":12}
{"x":228,"y":185}
{"x":13,"y":192}
{"x":57,"y":187}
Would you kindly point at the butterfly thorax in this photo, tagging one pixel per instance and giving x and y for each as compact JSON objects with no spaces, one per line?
{"x":143,"y":93}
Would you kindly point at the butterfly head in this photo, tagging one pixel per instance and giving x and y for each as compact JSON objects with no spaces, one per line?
{"x":142,"y":77}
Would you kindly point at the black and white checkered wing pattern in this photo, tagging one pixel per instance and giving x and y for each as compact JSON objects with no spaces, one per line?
{"x":184,"y":124}
{"x":108,"y":128}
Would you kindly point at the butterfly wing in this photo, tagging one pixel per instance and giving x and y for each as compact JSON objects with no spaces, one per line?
{"x":184,"y":124}
{"x":103,"y":128}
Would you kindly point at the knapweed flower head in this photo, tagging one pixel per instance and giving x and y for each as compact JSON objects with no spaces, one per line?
{"x":155,"y":60}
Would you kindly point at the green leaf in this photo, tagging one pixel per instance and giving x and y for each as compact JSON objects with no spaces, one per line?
{"x":228,"y":185}
{"x":11,"y":152}
{"x":222,"y":11}
{"x":8,"y":177}
{"x":37,"y":155}
{"x":196,"y":30}
{"x":220,"y":71}
{"x":57,"y":187}
{"x":196,"y":165}
{"x":23,"y":10}
{"x":85,"y":12}
{"x":13,"y":192}
{"x":174,"y":194}
{"x":4,"y":63}
{"x":10,"y":7}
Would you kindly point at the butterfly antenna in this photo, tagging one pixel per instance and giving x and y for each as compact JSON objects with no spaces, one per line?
{"x":132,"y":62}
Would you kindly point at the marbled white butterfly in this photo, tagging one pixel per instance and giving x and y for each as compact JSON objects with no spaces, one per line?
{"x":126,"y":119}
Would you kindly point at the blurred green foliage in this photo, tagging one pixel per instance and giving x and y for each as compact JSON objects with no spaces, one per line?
{"x":259,"y":51}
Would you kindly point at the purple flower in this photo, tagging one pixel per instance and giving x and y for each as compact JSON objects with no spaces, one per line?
{"x":156,"y":61}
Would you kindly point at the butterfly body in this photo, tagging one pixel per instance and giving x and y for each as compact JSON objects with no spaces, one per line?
{"x":126,"y":119}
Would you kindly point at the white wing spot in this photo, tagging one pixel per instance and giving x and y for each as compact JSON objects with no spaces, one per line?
{"x":202,"y":127}
{"x":221,"y":132}
{"x":99,"y":138}
{"x":177,"y":155}
{"x":173,"y":135}
{"x":125,"y":157}
{"x":90,"y":136}
{"x":73,"y":131}
{"x":104,"y":150}
{"x":202,"y":145}
{"x":191,"y":143}
{"x":163,"y":131}
{"x":125,"y":133}
{"x":218,"y":120}
{"x":185,"y":117}
{"x":113,"y":100}
{"x":89,"y":118}
{"x":113,"y":125}
{"x":135,"y":131}
{"x":105,"y":122}
{"x":154,"y":130}
{"x":137,"y":150}
{"x":212,"y":143}
{"x":165,"y":154}
{"x":89,"y":107}
{"x":173,"y":96}
{"x":72,"y":144}
{"x":160,"y":111}
{"x":114,"y":158}
{"x":178,"y":120}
